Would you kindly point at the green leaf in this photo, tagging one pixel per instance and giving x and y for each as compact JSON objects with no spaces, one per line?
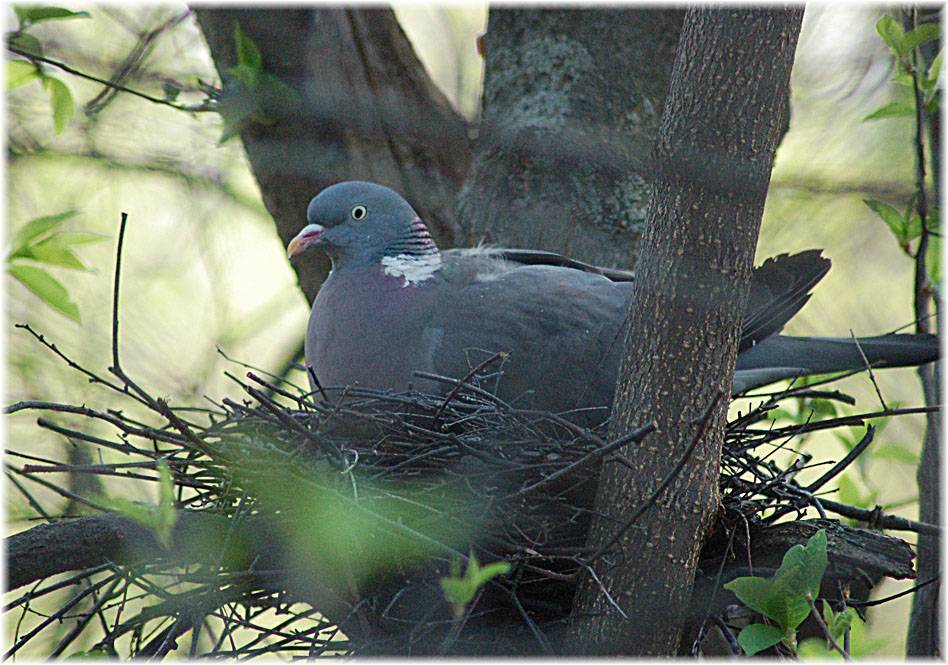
{"x":167,"y":516}
{"x":26,"y":42}
{"x":934,"y":220}
{"x":815,"y":648}
{"x":849,"y":492}
{"x":814,"y":563}
{"x":838,"y":622}
{"x":61,"y":100}
{"x":754,"y":592}
{"x":233,"y":123}
{"x":46,"y":287}
{"x":171,"y":90}
{"x":248,"y":55}
{"x":861,"y":644}
{"x":799,"y":575}
{"x":933,"y":259}
{"x":821,"y":408}
{"x":31,"y":14}
{"x":899,"y":109}
{"x":245,"y":76}
{"x":48,"y":251}
{"x":934,"y":72}
{"x":250,"y":94}
{"x":905,"y":80}
{"x":142,"y":513}
{"x":892,"y":33}
{"x":37,"y":227}
{"x":235,"y":106}
{"x":460,"y":590}
{"x":786,"y":414}
{"x":783,"y":598}
{"x":893,"y":219}
{"x":787,"y":605}
{"x":913,"y":227}
{"x":920,"y":35}
{"x":758,"y":636}
{"x":70,"y":238}
{"x":895,"y":453}
{"x":277,"y":97}
{"x":19,"y":73}
{"x":159,"y":518}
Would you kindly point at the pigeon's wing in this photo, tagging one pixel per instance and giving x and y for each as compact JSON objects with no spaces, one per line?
{"x":539,"y":257}
{"x":561,"y":329}
{"x":779,"y":288}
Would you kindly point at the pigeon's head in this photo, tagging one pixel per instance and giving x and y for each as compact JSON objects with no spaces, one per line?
{"x":358,"y":222}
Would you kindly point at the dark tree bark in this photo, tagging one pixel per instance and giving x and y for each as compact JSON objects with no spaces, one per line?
{"x":572,"y":103}
{"x":722,"y":121}
{"x":369,"y":112}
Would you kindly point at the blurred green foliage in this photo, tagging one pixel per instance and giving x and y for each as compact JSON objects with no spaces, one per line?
{"x":332,"y":535}
{"x":863,"y":644}
{"x":160,"y":517}
{"x":460,"y":589}
{"x":252,"y":94}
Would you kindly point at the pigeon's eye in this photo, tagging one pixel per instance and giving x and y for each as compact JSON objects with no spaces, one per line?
{"x":359,"y":213}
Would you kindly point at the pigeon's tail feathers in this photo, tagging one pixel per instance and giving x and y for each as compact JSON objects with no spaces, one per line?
{"x":780,"y":287}
{"x":783,"y":357}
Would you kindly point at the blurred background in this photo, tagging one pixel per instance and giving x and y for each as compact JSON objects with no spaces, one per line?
{"x":204,"y":269}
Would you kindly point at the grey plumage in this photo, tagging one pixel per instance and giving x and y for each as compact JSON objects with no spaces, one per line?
{"x":394,"y":304}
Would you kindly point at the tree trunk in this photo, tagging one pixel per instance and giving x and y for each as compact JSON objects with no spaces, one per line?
{"x":572,"y":103}
{"x":369,"y":112}
{"x":723,"y":118}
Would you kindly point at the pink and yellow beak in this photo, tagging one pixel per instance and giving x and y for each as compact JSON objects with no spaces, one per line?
{"x":306,"y":237}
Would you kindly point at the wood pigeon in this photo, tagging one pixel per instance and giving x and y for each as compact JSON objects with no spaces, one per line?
{"x":550,"y":329}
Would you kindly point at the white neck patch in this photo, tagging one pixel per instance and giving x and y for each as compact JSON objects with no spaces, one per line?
{"x":413,"y":268}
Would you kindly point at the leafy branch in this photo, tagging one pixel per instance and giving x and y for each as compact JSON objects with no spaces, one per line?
{"x":38,"y":241}
{"x":785,"y":599}
{"x":918,"y":97}
{"x":20,"y":72}
{"x":251,"y":94}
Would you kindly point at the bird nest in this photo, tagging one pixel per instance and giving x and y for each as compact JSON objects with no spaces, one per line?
{"x":331,"y":523}
{"x":293,"y":523}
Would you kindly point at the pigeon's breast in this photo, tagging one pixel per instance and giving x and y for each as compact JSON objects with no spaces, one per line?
{"x":367,"y":328}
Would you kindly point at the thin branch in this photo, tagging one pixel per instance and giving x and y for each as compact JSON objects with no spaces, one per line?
{"x":880,"y":601}
{"x":203,"y":107}
{"x":133,"y":61}
{"x":115,"y":294}
{"x":872,"y":376}
{"x":92,"y":376}
{"x":56,"y":616}
{"x":500,"y":355}
{"x":840,"y":466}
{"x":878,"y":519}
{"x":826,"y":631}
